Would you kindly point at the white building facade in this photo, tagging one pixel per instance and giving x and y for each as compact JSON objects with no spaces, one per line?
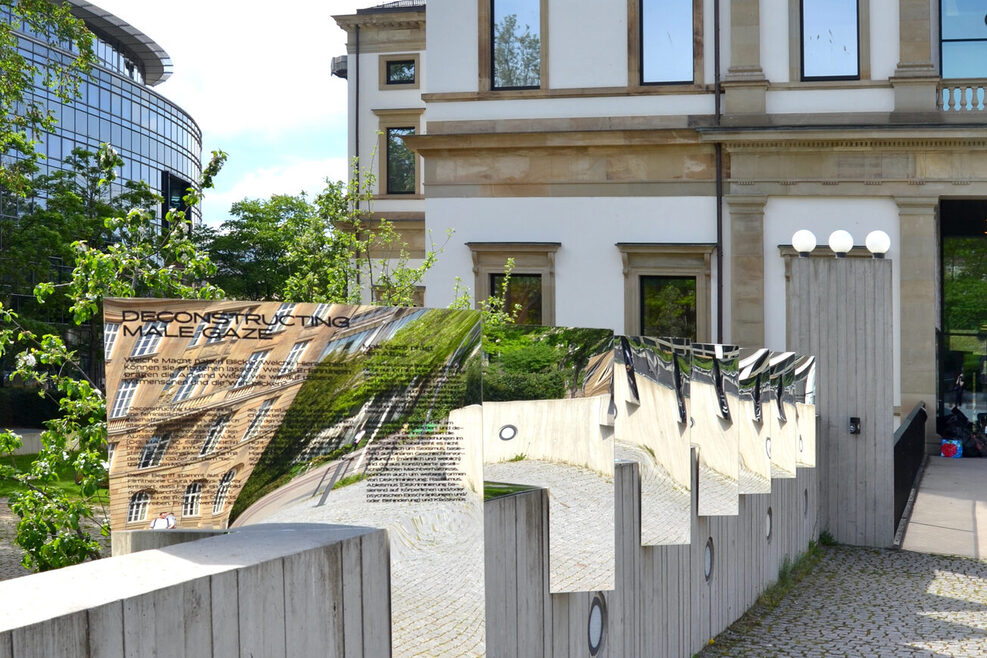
{"x":636,"y":156}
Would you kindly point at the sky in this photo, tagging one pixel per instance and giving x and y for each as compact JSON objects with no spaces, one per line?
{"x":255,"y":77}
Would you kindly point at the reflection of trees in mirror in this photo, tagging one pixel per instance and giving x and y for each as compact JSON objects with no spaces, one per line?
{"x":516,"y":55}
{"x":668,"y":306}
{"x":538,"y":363}
{"x":965,"y":282}
{"x":408,"y":366}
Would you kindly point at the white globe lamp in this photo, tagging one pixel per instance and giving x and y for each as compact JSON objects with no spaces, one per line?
{"x":804,"y":241}
{"x":841,"y":242}
{"x":878,"y":243}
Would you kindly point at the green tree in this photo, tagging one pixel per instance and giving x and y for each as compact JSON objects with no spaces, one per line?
{"x":249,"y":249}
{"x":517,"y":54}
{"x":38,"y":243}
{"x":24,"y":116}
{"x":292,"y":249}
{"x":141,"y":261}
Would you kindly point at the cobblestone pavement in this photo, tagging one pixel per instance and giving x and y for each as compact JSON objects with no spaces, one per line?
{"x":10,"y":554}
{"x":436,"y":565}
{"x":582,"y":555}
{"x":860,"y":602}
{"x":666,"y":507}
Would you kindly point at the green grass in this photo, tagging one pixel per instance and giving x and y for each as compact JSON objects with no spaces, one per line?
{"x":348,"y":480}
{"x":789,"y":575}
{"x":493,"y":490}
{"x":517,"y":458}
{"x":65,"y":483}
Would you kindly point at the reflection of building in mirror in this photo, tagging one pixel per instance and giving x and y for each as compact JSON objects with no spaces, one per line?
{"x":712,"y":392}
{"x":753,"y":425}
{"x":546,"y":419}
{"x":648,"y":430}
{"x":784,"y":431}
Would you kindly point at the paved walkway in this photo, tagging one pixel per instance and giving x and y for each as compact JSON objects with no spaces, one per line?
{"x":950,"y":511}
{"x":866,"y":603}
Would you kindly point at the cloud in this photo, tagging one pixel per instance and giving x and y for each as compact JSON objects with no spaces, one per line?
{"x":248,"y":66}
{"x":290,"y":178}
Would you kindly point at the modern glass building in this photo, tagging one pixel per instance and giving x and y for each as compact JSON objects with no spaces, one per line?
{"x":159,"y":142}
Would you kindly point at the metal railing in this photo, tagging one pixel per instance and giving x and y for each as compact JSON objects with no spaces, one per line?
{"x":961,"y":96}
{"x":909,"y":451}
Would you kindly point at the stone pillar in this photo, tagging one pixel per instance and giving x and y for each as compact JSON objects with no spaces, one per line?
{"x":919,"y":307}
{"x":744,"y":83}
{"x":915,"y":79}
{"x":747,"y":270}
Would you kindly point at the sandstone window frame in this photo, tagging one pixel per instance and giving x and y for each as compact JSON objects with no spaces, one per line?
{"x":795,"y":49}
{"x":529,"y":258}
{"x":383,"y":61}
{"x":397,"y":118}
{"x":635,"y":51}
{"x":486,"y":43}
{"x":667,"y":259}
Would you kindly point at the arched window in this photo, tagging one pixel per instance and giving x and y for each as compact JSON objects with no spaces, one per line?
{"x":190,"y":502}
{"x":223,"y":491}
{"x":138,"y":507}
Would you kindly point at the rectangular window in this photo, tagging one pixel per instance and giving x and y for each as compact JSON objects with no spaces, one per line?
{"x":154,"y":450}
{"x":666,"y":41}
{"x":963,"y":35}
{"x":400,"y":162}
{"x":124,"y":398}
{"x":218,"y":332}
{"x":150,"y":336}
{"x":251,"y":368}
{"x":830,"y":40}
{"x":282,"y":318}
{"x":668,"y":306}
{"x":110,"y":332}
{"x":191,"y":383}
{"x":524,"y":291}
{"x":515,"y":44}
{"x":258,"y":420}
{"x":294,"y":356}
{"x":214,"y":435}
{"x":400,"y":72}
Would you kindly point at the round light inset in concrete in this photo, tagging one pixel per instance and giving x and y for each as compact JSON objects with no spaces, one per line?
{"x":507,"y":432}
{"x":767,"y":525}
{"x":596,"y":627}
{"x":708,"y":559}
{"x":767,"y":446}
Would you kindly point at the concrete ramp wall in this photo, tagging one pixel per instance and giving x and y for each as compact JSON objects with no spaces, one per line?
{"x":664,"y":604}
{"x":265,"y":590}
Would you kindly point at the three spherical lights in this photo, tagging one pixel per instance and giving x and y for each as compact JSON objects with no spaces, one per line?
{"x":841,"y":243}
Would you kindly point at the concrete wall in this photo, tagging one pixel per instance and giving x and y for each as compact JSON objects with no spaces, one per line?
{"x":841,"y":313}
{"x":663,"y":604}
{"x":223,"y":596}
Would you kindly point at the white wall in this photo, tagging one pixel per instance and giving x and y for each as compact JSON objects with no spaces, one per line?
{"x":542,"y":108}
{"x":589,"y":280}
{"x":804,"y":101}
{"x":883,"y":38}
{"x":451,"y":33}
{"x":774,"y":39}
{"x":587,"y":49}
{"x":822,"y":216}
{"x":372,"y":97}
